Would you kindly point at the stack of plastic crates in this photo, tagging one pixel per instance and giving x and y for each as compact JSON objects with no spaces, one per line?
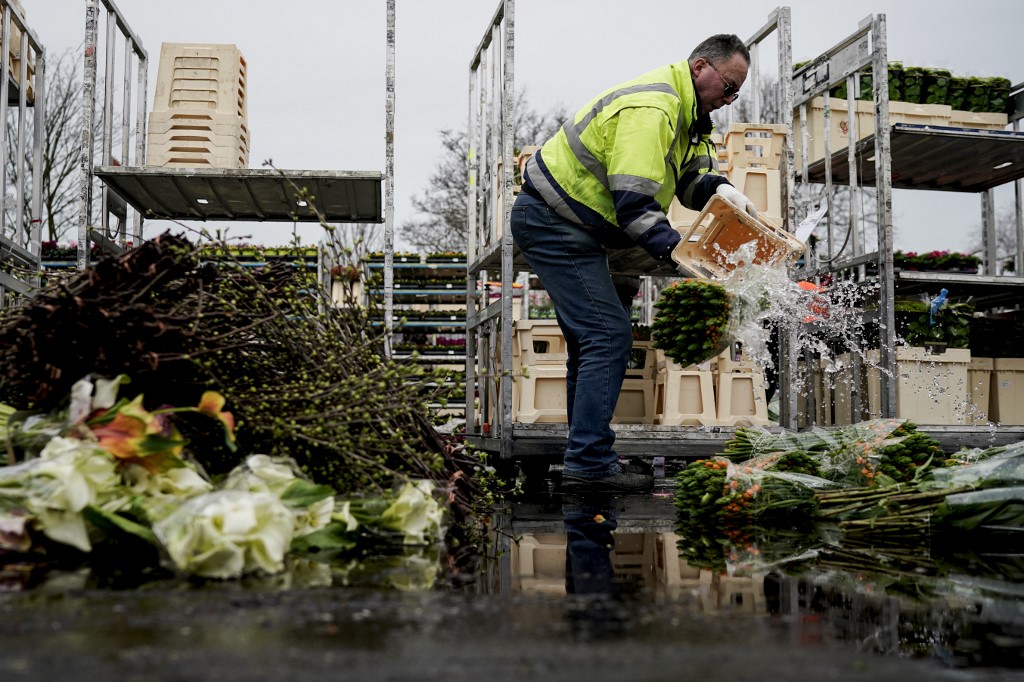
{"x":199,"y":117}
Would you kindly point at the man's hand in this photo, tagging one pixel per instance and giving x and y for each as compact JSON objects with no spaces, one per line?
{"x":736,"y":197}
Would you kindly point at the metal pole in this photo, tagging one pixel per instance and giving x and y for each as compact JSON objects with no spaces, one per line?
{"x":1018,"y":191}
{"x":108,"y":115}
{"x":88,"y":111}
{"x":38,"y":135}
{"x":852,"y":87}
{"x":4,"y":85}
{"x":988,"y":235}
{"x":21,"y":229}
{"x":883,"y":183}
{"x":851,"y":160}
{"x":788,"y":351}
{"x":508,"y":135}
{"x":126,"y":110}
{"x":472,"y":330}
{"x":389,"y":180}
{"x":140,"y":136}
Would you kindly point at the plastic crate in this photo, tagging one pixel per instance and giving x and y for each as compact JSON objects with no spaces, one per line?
{"x":538,"y":342}
{"x":685,"y":397}
{"x":538,"y":395}
{"x":538,"y":563}
{"x":722,"y":229}
{"x":979,"y":393}
{"x":202,"y":76}
{"x":197,"y":139}
{"x":763,"y":186}
{"x":977,"y":119}
{"x":754,"y":145}
{"x":931,"y":388}
{"x":681,"y":218}
{"x":740,"y":395}
{"x":839,"y":124}
{"x":1008,"y":391}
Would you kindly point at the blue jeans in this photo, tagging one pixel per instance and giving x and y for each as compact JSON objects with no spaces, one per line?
{"x":573,"y":266}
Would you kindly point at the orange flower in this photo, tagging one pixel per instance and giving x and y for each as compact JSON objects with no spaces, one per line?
{"x":129,"y":432}
{"x":212,"y":404}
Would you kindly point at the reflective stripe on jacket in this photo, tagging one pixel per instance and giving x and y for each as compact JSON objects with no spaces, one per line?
{"x":620,"y":160}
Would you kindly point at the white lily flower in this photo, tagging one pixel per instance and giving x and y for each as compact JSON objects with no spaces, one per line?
{"x":343,"y":513}
{"x":163,"y":492}
{"x":263,"y":473}
{"x":415,"y":513}
{"x":314,"y":517}
{"x":227,"y":533}
{"x":69,"y":476}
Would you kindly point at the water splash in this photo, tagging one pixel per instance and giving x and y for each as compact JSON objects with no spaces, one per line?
{"x":831,"y":334}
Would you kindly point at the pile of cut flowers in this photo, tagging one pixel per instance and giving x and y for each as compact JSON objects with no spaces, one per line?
{"x":877,"y":484}
{"x":105,"y":471}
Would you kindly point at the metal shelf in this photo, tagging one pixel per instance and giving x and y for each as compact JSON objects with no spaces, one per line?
{"x":935,"y":158}
{"x":247,"y":194}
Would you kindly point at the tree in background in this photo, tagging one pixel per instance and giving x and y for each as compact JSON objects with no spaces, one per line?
{"x":442,"y":207}
{"x":62,"y":152}
{"x":1006,"y":240}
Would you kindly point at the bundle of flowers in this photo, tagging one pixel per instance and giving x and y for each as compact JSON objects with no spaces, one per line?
{"x":874,"y":452}
{"x":106,"y":468}
{"x":692,"y":321}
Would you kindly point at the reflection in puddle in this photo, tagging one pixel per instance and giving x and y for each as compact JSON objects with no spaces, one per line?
{"x":961,"y":608}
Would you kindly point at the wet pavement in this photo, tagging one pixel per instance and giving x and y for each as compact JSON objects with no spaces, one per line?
{"x":578,"y":587}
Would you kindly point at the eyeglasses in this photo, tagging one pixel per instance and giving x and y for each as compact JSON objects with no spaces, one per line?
{"x":731,"y":90}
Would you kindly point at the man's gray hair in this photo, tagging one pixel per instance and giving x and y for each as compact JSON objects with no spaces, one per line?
{"x":720,"y":48}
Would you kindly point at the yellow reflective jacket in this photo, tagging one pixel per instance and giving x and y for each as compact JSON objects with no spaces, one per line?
{"x":616,"y":165}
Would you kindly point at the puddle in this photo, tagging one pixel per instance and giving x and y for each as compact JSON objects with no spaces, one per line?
{"x":596,"y":588}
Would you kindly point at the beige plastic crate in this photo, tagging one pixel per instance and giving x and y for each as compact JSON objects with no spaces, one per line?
{"x":193,"y":138}
{"x":685,"y":397}
{"x":740,"y":395}
{"x":636,"y":402}
{"x":837,"y":384}
{"x":538,"y":396}
{"x":201,"y":76}
{"x":197,"y":122}
{"x":681,"y":218}
{"x":979,"y":389}
{"x":1008,"y":391}
{"x":977,"y":119}
{"x":538,"y":563}
{"x":14,"y":53}
{"x":899,"y":112}
{"x":754,"y":145}
{"x":720,"y":230}
{"x":538,"y":342}
{"x":206,"y":157}
{"x":763,"y":186}
{"x":931,"y":388}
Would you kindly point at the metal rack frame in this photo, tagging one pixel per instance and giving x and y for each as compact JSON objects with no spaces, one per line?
{"x":222,"y":194}
{"x":489,"y":199}
{"x":900,"y":146}
{"x":21,"y":251}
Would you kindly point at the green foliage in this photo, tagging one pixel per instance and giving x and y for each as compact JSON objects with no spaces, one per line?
{"x":950,"y":325}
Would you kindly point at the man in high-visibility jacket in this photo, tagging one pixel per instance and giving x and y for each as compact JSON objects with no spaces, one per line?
{"x":605,"y":180}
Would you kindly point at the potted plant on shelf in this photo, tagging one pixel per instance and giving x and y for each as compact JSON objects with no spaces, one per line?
{"x":446,"y":257}
{"x":947,"y":327}
{"x":932,"y":261}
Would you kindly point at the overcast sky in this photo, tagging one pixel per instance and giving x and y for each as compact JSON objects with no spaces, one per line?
{"x":317,"y":68}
